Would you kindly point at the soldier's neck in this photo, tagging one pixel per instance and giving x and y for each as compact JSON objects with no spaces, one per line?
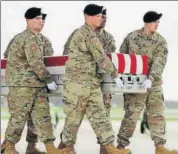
{"x":97,"y":30}
{"x":147,"y":31}
{"x":34,"y":31}
{"x":90,"y":25}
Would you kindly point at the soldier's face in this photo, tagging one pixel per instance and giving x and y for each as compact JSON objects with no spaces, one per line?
{"x":35,"y":23}
{"x":103,"y":23}
{"x":153,"y":26}
{"x":43,"y":23}
{"x":97,"y":20}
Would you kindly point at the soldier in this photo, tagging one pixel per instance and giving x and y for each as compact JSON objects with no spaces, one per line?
{"x":32,"y":137}
{"x":82,"y":93}
{"x":146,"y":41}
{"x":48,"y":49}
{"x":108,"y":44}
{"x":27,"y":78}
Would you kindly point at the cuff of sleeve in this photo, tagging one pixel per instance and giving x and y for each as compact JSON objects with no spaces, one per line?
{"x":114,"y":74}
{"x":49,"y":80}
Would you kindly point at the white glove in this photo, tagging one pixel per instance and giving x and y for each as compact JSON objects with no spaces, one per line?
{"x":119,"y":82}
{"x":52,"y":86}
{"x":147,"y":83}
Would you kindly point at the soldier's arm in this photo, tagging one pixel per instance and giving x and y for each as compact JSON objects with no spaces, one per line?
{"x":110,"y":45}
{"x":6,"y":53}
{"x":66,"y":46}
{"x":125,"y":46}
{"x":66,"y":49}
{"x":48,"y":49}
{"x":35,"y":60}
{"x":100,"y":57}
{"x":159,"y":61}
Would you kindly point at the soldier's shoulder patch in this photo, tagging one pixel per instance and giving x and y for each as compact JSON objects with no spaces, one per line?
{"x":34,"y":47}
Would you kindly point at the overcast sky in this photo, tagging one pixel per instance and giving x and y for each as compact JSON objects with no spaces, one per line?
{"x":123,"y":17}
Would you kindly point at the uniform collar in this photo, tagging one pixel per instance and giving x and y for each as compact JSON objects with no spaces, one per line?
{"x":28,"y":30}
{"x":141,"y":33}
{"x":99,"y":31}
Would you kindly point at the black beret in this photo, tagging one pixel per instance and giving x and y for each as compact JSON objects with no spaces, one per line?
{"x":32,"y":13}
{"x":93,"y":9}
{"x":44,"y":16}
{"x":104,"y":12}
{"x":151,"y":16}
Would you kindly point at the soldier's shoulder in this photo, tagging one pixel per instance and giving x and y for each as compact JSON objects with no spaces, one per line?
{"x":45,"y":38}
{"x":79,"y":32}
{"x":133,"y":34}
{"x":106,"y":33}
{"x":160,"y":38}
{"x":84,"y":30}
{"x":20,"y":37}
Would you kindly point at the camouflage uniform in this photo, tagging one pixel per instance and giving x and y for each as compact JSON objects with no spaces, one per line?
{"x":108,"y":44}
{"x":82,"y":94}
{"x":47,"y":51}
{"x":26,"y":76}
{"x":155,"y":48}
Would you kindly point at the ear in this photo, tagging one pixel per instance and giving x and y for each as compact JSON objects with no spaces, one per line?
{"x":27,"y":21}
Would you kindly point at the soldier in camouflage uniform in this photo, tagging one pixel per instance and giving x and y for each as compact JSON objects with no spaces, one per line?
{"x":82,"y":93}
{"x":27,"y":78}
{"x":32,"y":137}
{"x":146,"y":41}
{"x":108,"y":44}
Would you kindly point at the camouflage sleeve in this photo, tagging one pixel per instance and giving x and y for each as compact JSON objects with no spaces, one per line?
{"x":6,"y":53}
{"x":110,"y":44}
{"x":35,"y":60}
{"x":65,"y":52}
{"x":47,"y":49}
{"x":159,"y":62}
{"x":66,"y":46}
{"x":97,"y":51}
{"x":124,"y":47}
{"x":66,"y":49}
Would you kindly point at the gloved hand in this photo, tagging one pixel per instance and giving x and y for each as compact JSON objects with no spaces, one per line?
{"x":119,"y":82}
{"x":52,"y":86}
{"x":147,"y":83}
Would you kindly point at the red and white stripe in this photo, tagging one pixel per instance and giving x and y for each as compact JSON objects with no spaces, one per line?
{"x":125,"y":63}
{"x":130,"y":63}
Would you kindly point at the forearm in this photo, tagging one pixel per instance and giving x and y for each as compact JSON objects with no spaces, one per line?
{"x":158,"y":65}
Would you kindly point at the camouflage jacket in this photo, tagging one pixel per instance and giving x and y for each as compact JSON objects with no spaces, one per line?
{"x":25,"y":66}
{"x":85,"y":51}
{"x":107,"y":41}
{"x":154,"y":46}
{"x":47,"y":46}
